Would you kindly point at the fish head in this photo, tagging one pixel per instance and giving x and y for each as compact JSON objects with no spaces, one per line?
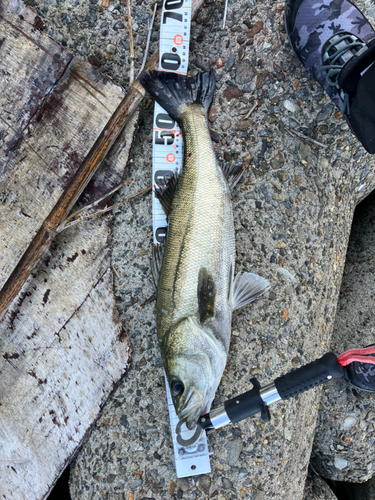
{"x":194,"y":365}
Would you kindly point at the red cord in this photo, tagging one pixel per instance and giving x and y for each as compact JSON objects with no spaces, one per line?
{"x":348,"y":357}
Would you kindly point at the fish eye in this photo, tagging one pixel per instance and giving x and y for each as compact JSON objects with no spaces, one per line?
{"x":177,"y":387}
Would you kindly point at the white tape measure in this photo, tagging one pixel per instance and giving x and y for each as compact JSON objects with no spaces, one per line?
{"x":167,"y":144}
{"x":167,"y":156}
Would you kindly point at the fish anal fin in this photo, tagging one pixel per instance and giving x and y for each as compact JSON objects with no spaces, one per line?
{"x":166,"y":193}
{"x":246,"y":287}
{"x":232,"y":172}
{"x":206,"y":295}
{"x":156,"y":262}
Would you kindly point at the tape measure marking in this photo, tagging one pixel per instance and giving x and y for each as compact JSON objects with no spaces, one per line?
{"x":167,"y":156}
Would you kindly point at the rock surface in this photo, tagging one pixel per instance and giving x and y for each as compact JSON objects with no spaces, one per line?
{"x":343,"y":448}
{"x":293,"y":213}
{"x":317,"y":489}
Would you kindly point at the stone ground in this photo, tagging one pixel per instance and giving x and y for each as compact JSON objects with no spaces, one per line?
{"x":343,"y":448}
{"x":292,"y":215}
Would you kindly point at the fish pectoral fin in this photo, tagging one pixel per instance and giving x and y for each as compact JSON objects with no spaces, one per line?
{"x":166,"y":193}
{"x":206,"y":295}
{"x":232,"y":172}
{"x":156,"y":262}
{"x":245,"y":288}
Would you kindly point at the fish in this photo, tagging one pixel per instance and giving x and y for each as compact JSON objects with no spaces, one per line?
{"x":194,"y":270}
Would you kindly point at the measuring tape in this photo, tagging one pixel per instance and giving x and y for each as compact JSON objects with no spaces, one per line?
{"x":167,"y":156}
{"x":167,"y":144}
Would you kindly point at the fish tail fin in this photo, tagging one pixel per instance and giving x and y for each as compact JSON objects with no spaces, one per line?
{"x":172,"y":91}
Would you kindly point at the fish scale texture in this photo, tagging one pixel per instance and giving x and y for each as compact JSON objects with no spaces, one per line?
{"x":315,"y":23}
{"x":200,"y":234}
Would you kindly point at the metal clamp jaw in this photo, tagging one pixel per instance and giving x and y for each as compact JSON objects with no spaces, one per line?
{"x":245,"y":405}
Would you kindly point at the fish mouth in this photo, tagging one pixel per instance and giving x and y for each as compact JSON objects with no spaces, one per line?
{"x":191,"y":409}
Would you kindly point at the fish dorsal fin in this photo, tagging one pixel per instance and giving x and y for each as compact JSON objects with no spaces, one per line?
{"x":245,"y":288}
{"x":232,"y":172}
{"x":157,"y":261}
{"x":166,"y":193}
{"x":206,"y":295}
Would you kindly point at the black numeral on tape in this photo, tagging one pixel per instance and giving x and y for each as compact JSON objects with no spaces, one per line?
{"x":161,"y":177}
{"x":172,"y":15}
{"x":161,"y":234}
{"x":163,"y":120}
{"x":173,"y":4}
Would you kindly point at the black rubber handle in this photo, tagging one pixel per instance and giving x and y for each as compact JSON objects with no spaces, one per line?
{"x":302,"y":379}
{"x":246,"y":405}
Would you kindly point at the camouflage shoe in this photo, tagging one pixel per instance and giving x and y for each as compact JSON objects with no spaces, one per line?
{"x":359,"y":367}
{"x":336,"y":43}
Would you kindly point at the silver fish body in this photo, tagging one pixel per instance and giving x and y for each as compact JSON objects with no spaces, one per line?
{"x":200,"y":235}
{"x":196,"y":289}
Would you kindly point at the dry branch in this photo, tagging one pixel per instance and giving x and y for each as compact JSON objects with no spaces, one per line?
{"x":132,"y":55}
{"x":104,"y":210}
{"x":149,"y":32}
{"x":85,"y":172}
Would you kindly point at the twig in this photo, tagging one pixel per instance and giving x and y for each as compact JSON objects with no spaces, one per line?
{"x":303,"y":136}
{"x":100,"y":212}
{"x":115,"y":271}
{"x":251,"y":110}
{"x":225,"y":13}
{"x":96,"y":202}
{"x":88,"y":167}
{"x":132,"y":55}
{"x":149,"y":32}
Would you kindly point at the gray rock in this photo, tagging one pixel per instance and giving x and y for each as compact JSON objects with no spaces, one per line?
{"x":291,"y":106}
{"x":111,"y":49}
{"x":233,"y":448}
{"x":183,"y":484}
{"x":204,"y":484}
{"x":317,"y":489}
{"x":325,"y":112}
{"x":241,"y":474}
{"x":259,"y":495}
{"x":227,"y":483}
{"x":340,"y":462}
{"x":142,"y":17}
{"x":245,"y":71}
{"x":343,"y":449}
{"x":135,"y":484}
{"x":230,"y":62}
{"x":91,"y":19}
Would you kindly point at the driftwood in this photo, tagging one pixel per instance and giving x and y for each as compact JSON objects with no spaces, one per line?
{"x":77,"y":184}
{"x":62,"y":346}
